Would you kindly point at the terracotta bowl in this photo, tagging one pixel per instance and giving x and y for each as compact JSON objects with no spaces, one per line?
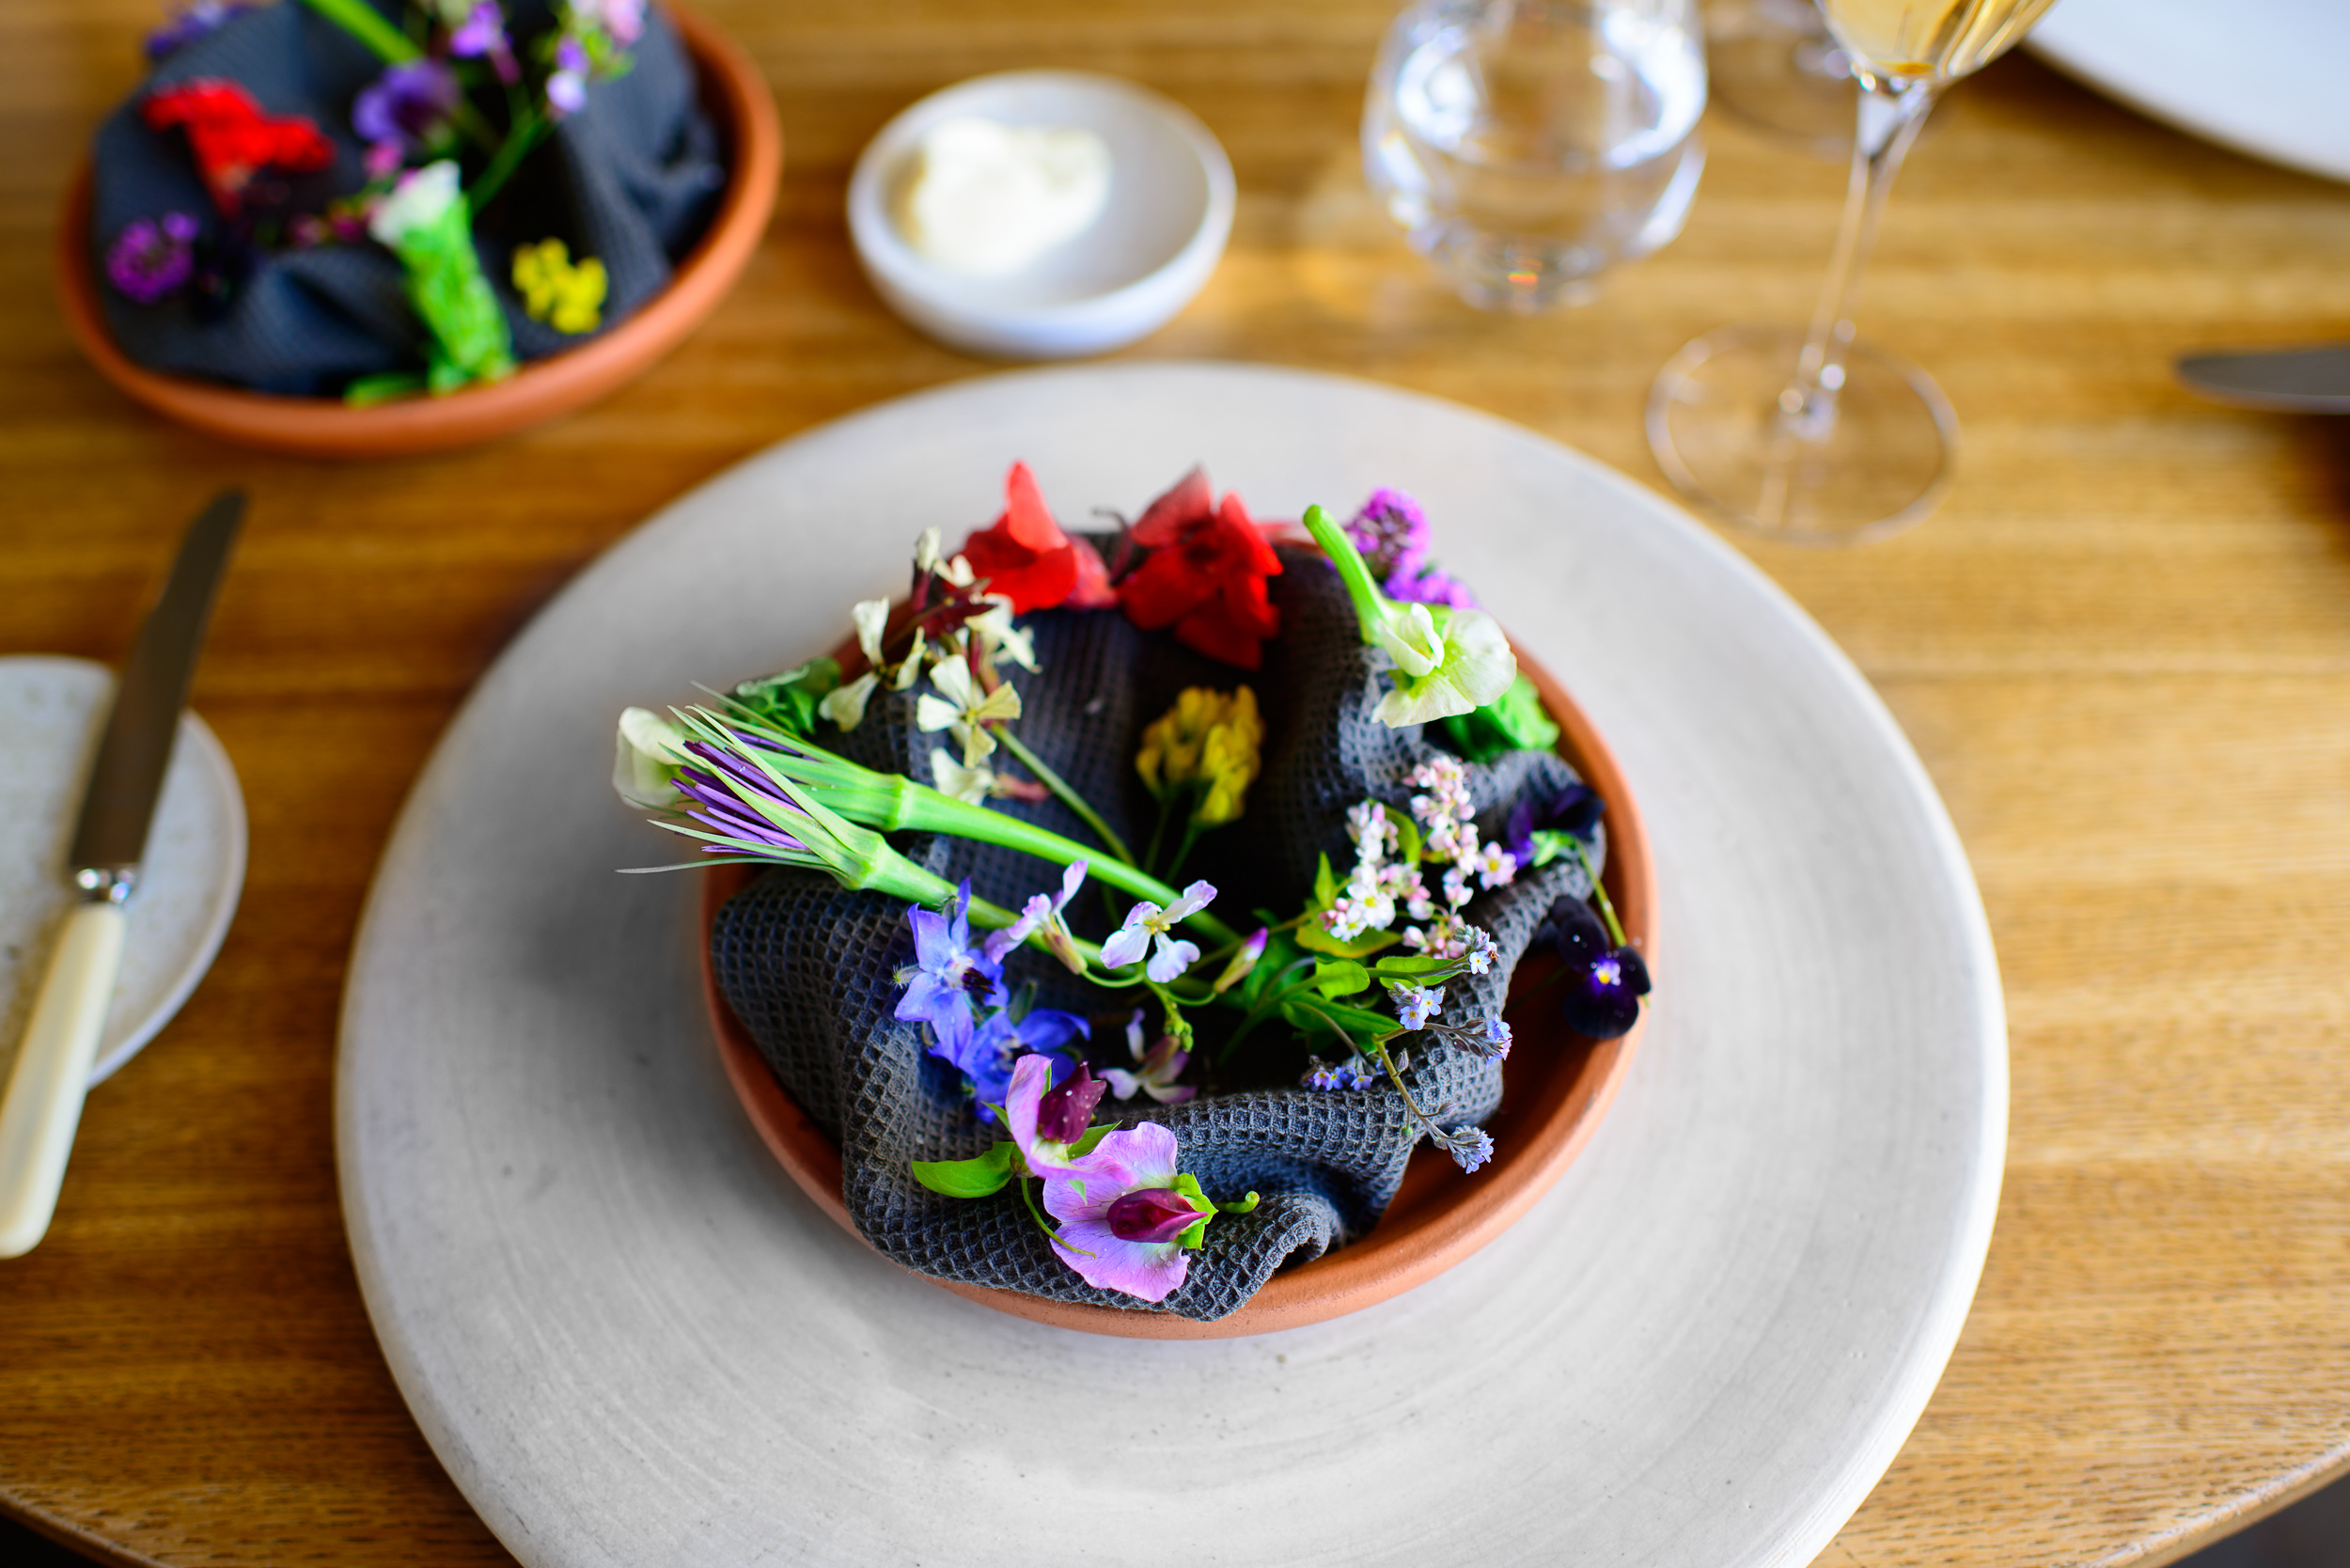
{"x":735,"y":96}
{"x":1556,"y":1087}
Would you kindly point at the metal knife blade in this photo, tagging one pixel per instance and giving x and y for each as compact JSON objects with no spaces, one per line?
{"x":135,"y":751}
{"x":2304,"y":380}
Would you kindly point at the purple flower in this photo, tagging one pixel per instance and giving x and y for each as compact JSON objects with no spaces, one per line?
{"x":1429,"y":586}
{"x":483,"y":33}
{"x":622,"y":20}
{"x":1471,"y":1147}
{"x":948,"y":971}
{"x":1415,"y":1004}
{"x":151,"y":259}
{"x":1043,"y":1119}
{"x":405,"y":104}
{"x":191,"y":22}
{"x":1574,"y":810}
{"x":1043,"y":913}
{"x":1391,"y":532}
{"x":1119,"y":1209}
{"x":1156,"y":1068}
{"x":1244,"y":962}
{"x":1605,"y":984}
{"x":1145,"y":920}
{"x":717,"y":806}
{"x":1353,"y":1073}
{"x":991,"y":1057}
{"x":566,"y":84}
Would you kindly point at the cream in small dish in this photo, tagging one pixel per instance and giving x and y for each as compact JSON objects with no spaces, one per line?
{"x":1040,"y":215}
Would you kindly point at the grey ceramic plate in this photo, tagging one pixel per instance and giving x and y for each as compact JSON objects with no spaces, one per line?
{"x":632,"y":1342}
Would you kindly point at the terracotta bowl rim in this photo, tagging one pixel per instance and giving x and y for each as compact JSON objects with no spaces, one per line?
{"x":732,"y":89}
{"x":1386,"y":1262}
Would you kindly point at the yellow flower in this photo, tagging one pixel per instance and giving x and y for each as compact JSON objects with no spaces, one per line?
{"x":1208,"y":743}
{"x":567,"y":297}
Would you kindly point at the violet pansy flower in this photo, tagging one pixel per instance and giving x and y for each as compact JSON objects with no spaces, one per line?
{"x":948,"y":971}
{"x":406,"y":104}
{"x":1147,"y":920}
{"x":1574,"y":810}
{"x":1605,"y":982}
{"x":152,"y":257}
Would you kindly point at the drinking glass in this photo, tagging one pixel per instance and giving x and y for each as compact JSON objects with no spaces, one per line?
{"x":1804,"y":434}
{"x":1527,"y":146}
{"x":1772,"y":64}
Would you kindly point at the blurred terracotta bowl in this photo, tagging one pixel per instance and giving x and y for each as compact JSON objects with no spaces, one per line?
{"x":735,"y":96}
{"x":1557,"y":1086}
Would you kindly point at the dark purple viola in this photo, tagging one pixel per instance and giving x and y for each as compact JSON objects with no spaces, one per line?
{"x":1605,"y":984}
{"x":1574,"y":810}
{"x":1151,"y":1215}
{"x":405,"y":104}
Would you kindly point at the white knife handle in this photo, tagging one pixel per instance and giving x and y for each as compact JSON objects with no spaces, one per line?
{"x":52,"y":1072}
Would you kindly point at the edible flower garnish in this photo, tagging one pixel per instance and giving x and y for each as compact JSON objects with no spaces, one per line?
{"x":233,"y":140}
{"x":152,"y":257}
{"x":567,"y":295}
{"x":1147,"y":920}
{"x":1446,"y":660}
{"x":965,"y":711}
{"x":428,"y":224}
{"x":1605,"y":978}
{"x":1205,"y":575}
{"x":948,"y":970}
{"x":1156,"y":1067}
{"x":1025,"y":558}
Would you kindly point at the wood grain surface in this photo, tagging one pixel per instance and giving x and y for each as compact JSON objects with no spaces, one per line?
{"x":2122,"y":648}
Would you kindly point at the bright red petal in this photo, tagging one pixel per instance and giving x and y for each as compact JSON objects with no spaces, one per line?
{"x":1215,"y":632}
{"x":1164,"y":519}
{"x":1163,"y":589}
{"x":1026,"y":515}
{"x":1246,"y":539}
{"x":1092,"y":590}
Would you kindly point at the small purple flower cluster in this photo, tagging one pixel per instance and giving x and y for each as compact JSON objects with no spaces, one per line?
{"x":152,"y":258}
{"x":1392,"y":533}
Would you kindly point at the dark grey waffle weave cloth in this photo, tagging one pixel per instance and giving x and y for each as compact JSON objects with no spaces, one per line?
{"x":630,"y":180}
{"x":811,"y":969}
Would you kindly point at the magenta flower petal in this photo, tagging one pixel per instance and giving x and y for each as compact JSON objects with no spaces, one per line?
{"x":1147,"y":1271}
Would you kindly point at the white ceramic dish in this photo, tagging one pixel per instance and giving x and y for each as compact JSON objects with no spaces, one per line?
{"x":51,"y":711}
{"x":1152,"y":248}
{"x":2262,"y":76}
{"x":633,"y":1341}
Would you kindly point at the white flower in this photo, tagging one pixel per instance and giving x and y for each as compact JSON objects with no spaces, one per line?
{"x":1468,"y":666}
{"x":647,"y":752}
{"x":416,"y":202}
{"x":966,"y":712}
{"x":926,"y":549}
{"x":1145,"y":920}
{"x":1001,"y":640}
{"x":871,"y":619}
{"x":845,"y":705}
{"x":951,"y":778}
{"x":1495,"y":866}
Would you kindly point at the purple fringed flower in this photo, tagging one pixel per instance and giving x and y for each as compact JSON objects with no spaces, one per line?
{"x":1391,"y":533}
{"x":483,"y":33}
{"x":151,"y":259}
{"x":1116,"y":1210}
{"x":1430,"y":587}
{"x":948,"y":971}
{"x":719,"y":807}
{"x":190,"y":23}
{"x":1000,"y":1043}
{"x":566,"y":84}
{"x":1605,"y":984}
{"x":405,"y":104}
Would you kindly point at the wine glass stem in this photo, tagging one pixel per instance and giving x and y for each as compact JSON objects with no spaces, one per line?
{"x":1890,"y":119}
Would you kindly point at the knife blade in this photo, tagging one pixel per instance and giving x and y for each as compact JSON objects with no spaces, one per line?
{"x":2304,"y":380}
{"x":43,"y":1103}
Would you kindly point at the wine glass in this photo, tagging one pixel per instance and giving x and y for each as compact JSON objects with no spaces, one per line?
{"x":1805,"y":435}
{"x":1772,"y":64}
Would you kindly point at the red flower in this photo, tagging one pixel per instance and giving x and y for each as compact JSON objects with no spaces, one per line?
{"x":1205,"y":574}
{"x":233,"y":140}
{"x":1028,"y":559}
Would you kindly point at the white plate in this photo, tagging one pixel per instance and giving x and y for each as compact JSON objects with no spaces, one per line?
{"x":2262,"y":76}
{"x":51,"y":712}
{"x":632,"y":1342}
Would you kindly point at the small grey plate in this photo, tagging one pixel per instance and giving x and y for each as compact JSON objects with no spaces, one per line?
{"x":51,"y":711}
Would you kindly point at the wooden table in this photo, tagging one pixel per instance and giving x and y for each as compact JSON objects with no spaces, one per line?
{"x":2122,"y":648}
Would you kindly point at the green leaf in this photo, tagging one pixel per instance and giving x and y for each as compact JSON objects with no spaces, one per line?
{"x":1313,"y":1017}
{"x":1187,"y":1187}
{"x":1326,"y":886}
{"x":1515,"y":721}
{"x":1408,"y":850}
{"x":1279,"y":953}
{"x":1191,"y":1237}
{"x":1091,"y":1139}
{"x":1398,"y":968}
{"x":1314,"y":939}
{"x":1339,"y":977}
{"x":974,"y":1177}
{"x":789,"y":700}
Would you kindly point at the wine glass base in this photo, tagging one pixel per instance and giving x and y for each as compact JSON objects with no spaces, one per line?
{"x":1882,"y":463}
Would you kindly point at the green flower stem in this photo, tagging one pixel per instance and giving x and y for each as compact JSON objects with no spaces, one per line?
{"x":521,"y":139}
{"x":1371,"y":605}
{"x":1599,"y":894}
{"x":894,"y":802}
{"x":1069,"y":797}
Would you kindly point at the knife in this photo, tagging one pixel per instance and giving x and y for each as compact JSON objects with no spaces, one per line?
{"x":2303,"y":381}
{"x":43,"y":1103}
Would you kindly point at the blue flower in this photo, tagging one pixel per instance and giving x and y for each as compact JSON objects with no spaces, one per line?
{"x":1415,"y":1004}
{"x":948,"y":971}
{"x":1605,"y":984}
{"x":1353,"y":1073}
{"x":999,"y":1042}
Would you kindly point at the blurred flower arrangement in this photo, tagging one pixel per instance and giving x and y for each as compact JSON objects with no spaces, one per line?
{"x":1356,"y":973}
{"x":467,"y":89}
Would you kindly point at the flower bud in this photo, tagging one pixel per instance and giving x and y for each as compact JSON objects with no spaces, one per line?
{"x":1151,"y":1215}
{"x":1064,"y":1113}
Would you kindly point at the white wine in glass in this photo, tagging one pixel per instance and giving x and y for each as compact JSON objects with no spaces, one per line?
{"x":1804,"y":434}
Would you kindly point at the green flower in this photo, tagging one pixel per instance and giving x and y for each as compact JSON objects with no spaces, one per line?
{"x":1447,"y":660}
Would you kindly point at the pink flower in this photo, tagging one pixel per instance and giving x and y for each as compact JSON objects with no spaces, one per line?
{"x":1122,"y":1216}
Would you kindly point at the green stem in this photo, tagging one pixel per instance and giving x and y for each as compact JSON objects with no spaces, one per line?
{"x":366,"y":24}
{"x":520,"y":142}
{"x":1369,"y":604}
{"x":1599,"y":893}
{"x":1182,"y":850}
{"x":1158,"y":832}
{"x":1069,"y":797}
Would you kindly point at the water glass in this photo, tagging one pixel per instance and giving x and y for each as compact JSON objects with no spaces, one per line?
{"x":1527,"y":146}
